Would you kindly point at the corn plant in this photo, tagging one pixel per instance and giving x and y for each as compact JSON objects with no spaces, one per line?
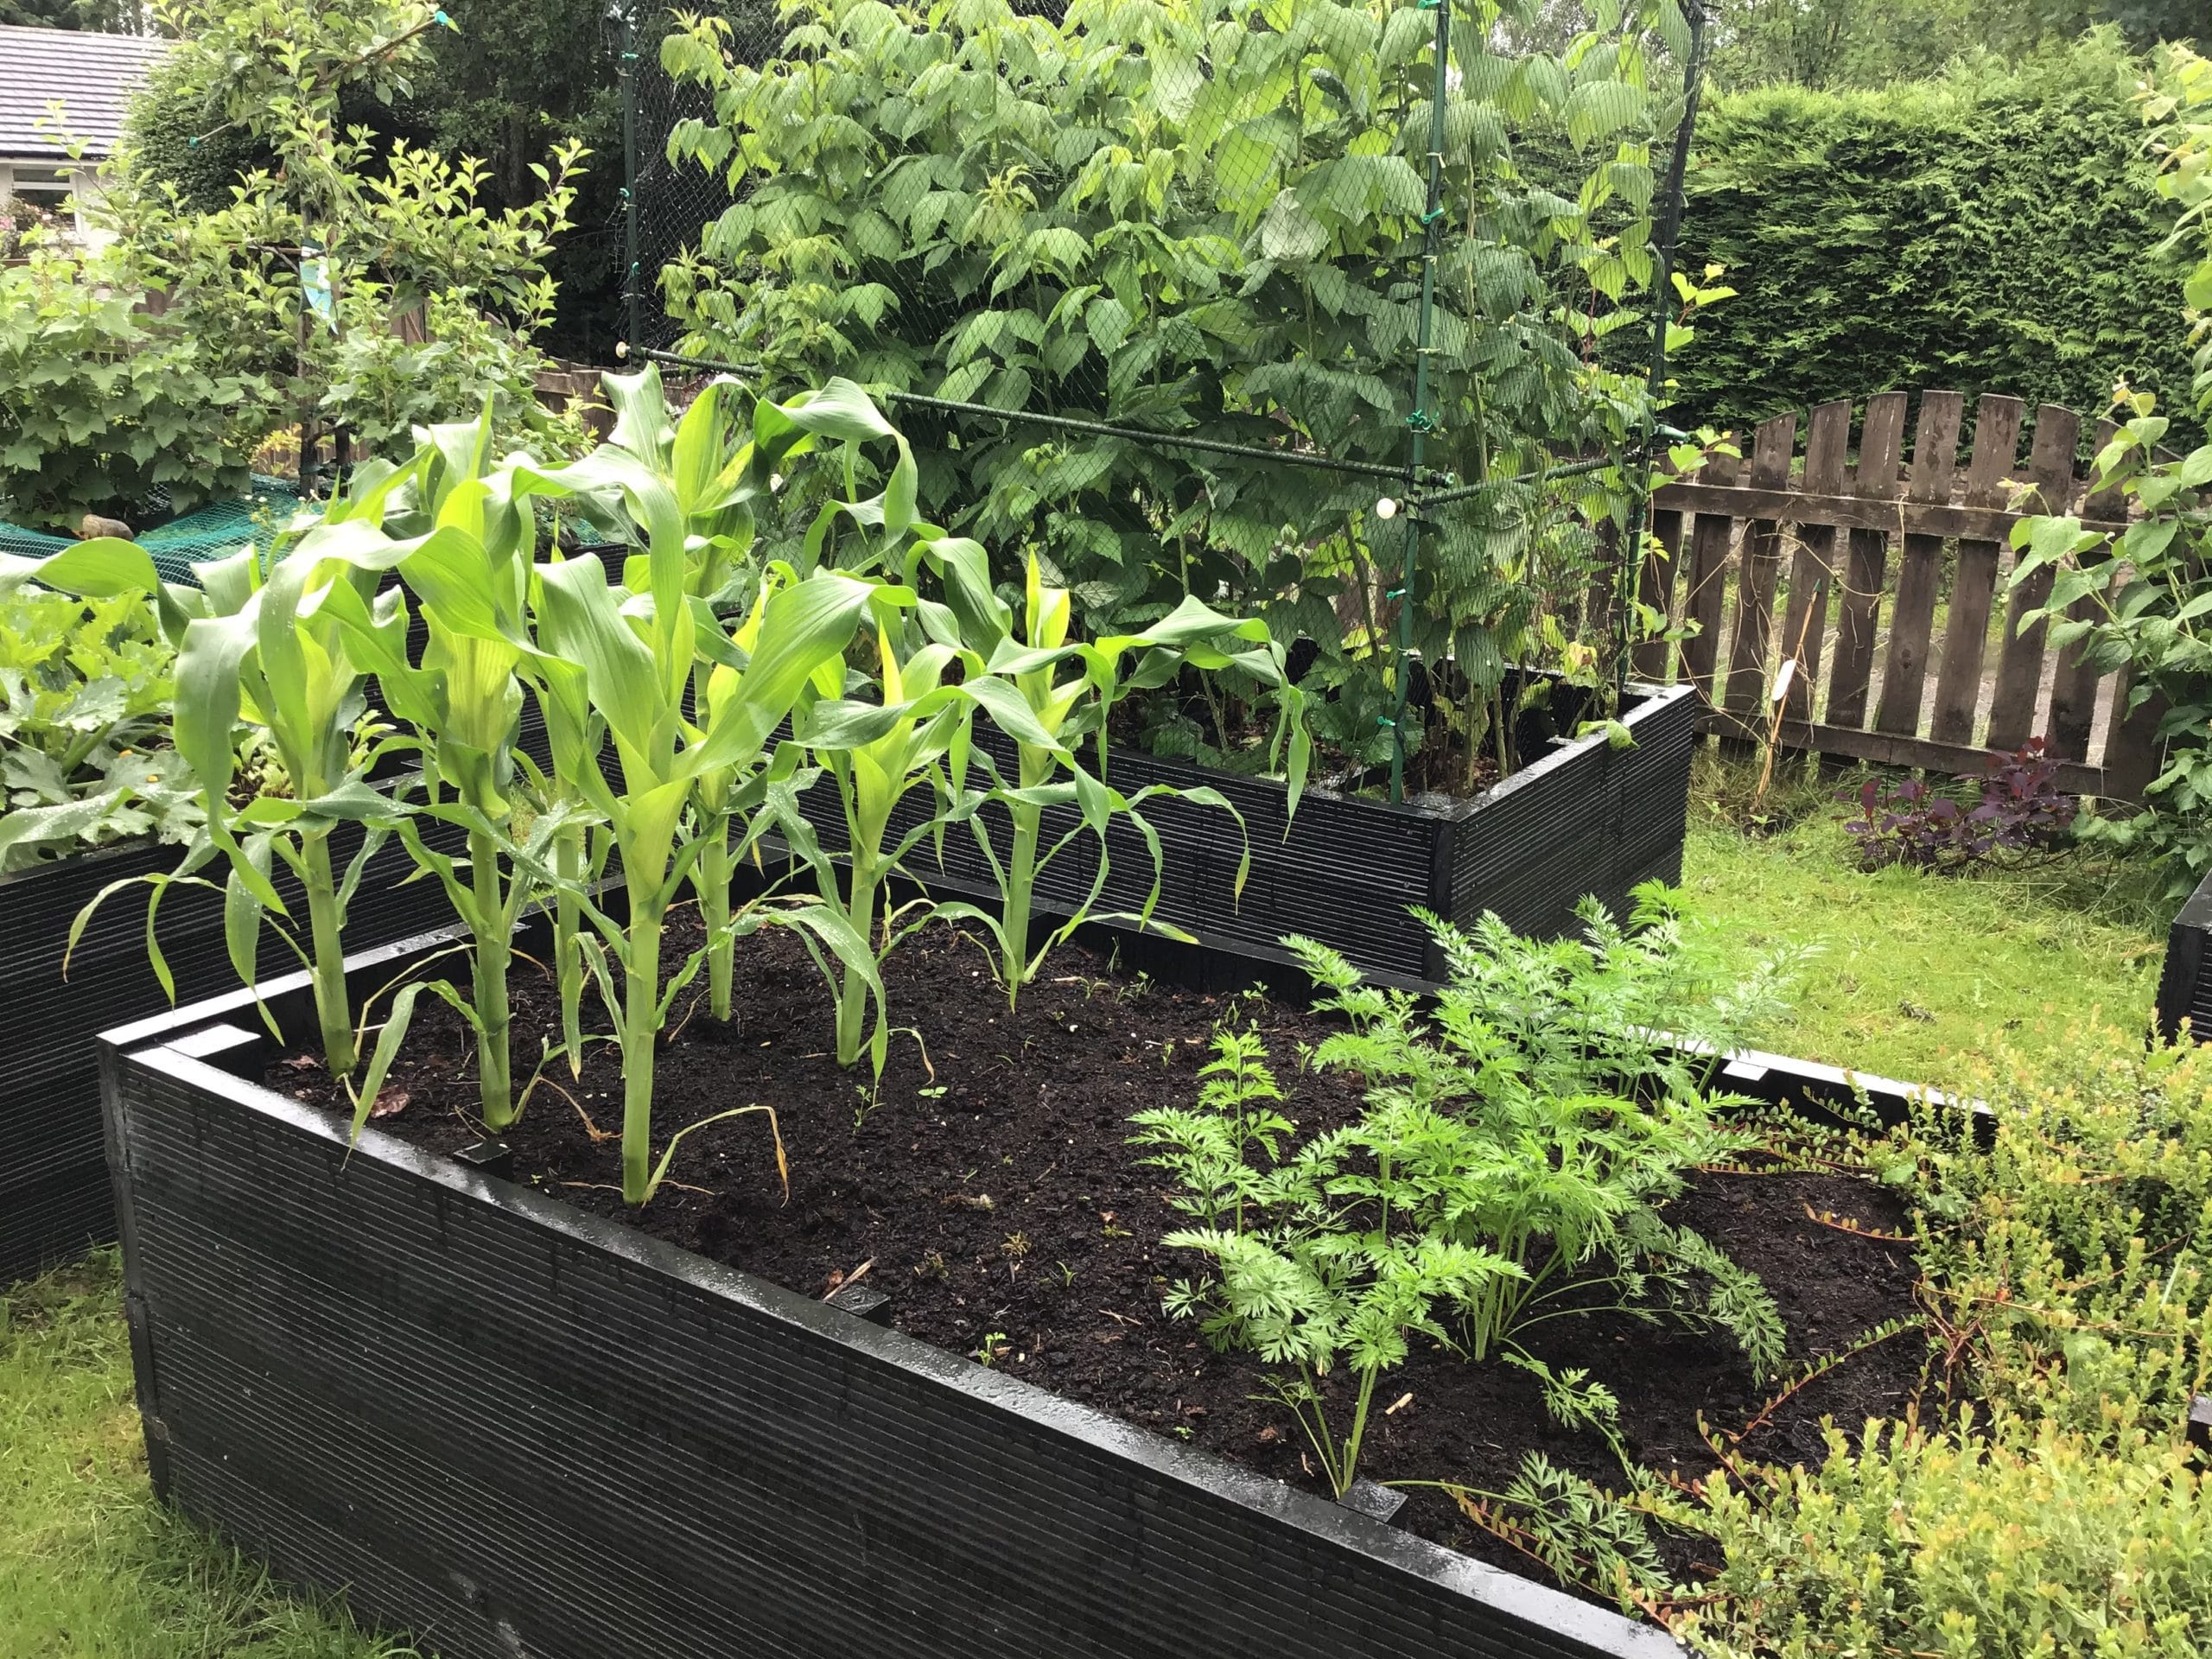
{"x":261,"y":646}
{"x":628,"y":657}
{"x":469,"y":564}
{"x":1048,"y":692}
{"x":876,"y":755}
{"x":726,"y":471}
{"x":274,"y":654}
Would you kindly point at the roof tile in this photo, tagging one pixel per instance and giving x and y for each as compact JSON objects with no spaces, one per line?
{"x":90,"y":75}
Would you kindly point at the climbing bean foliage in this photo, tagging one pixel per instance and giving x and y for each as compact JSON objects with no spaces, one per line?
{"x":1203,"y":217}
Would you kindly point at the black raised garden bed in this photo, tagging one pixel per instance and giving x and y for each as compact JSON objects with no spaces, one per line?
{"x":54,"y":1196}
{"x":1580,"y":817}
{"x":2186,"y":982}
{"x":509,"y":1424}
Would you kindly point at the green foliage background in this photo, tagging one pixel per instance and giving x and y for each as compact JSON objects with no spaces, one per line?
{"x":1989,"y":230}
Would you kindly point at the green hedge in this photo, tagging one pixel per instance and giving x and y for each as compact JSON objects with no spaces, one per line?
{"x":1989,"y":231}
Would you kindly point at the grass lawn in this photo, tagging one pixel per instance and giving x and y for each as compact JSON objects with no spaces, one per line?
{"x":1913,"y":968}
{"x":90,"y":1566}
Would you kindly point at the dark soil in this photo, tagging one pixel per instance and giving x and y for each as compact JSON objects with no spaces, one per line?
{"x":1439,"y":767}
{"x":996,"y":1197}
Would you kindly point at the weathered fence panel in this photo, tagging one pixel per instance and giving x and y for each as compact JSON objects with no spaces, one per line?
{"x":1897,"y":571}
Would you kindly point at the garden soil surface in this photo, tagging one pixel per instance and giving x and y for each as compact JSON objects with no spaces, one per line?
{"x":990,"y":1192}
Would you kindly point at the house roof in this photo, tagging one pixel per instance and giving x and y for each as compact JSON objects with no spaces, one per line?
{"x":90,"y":75}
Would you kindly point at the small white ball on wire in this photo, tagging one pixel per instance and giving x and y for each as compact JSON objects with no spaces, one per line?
{"x":1386,"y":508}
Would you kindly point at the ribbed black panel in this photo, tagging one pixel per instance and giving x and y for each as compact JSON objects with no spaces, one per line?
{"x":50,"y":1206}
{"x":52,"y":1212}
{"x":2185,"y":983}
{"x":1588,"y":819}
{"x":1346,"y":873}
{"x":510,"y":1429}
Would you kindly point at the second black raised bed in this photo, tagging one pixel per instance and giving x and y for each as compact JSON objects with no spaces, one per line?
{"x":54,"y":1197}
{"x":1584,"y":817}
{"x":2186,"y":982}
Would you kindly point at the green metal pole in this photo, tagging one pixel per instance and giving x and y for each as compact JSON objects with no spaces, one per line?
{"x":633,"y":301}
{"x":1418,"y":421}
{"x":1669,"y":230}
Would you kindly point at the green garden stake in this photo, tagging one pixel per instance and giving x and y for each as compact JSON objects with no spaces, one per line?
{"x":1668,"y":230}
{"x":1418,"y":421}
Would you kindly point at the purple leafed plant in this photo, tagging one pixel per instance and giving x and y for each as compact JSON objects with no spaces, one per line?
{"x":2021,"y":809}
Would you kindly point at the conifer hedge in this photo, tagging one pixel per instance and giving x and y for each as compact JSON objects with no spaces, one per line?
{"x":1992,"y":230}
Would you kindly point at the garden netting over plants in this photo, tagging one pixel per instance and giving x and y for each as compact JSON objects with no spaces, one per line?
{"x":1299,"y":306}
{"x":219,"y":527}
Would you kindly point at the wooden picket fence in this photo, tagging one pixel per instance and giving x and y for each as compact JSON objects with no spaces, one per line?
{"x":1874,"y":547}
{"x":576,"y":383}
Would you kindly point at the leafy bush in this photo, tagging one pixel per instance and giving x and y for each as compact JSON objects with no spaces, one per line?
{"x":1905,"y":821}
{"x":1997,"y":1538}
{"x":382,"y":386}
{"x":2139,"y":599}
{"x":85,"y":756}
{"x":1510,"y":1165}
{"x":101,"y":405}
{"x":2067,"y":1284}
{"x":1992,"y":230}
{"x":1203,"y":219}
{"x":290,"y":251}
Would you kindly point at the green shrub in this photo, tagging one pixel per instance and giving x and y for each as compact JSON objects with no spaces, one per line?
{"x":177,"y":133}
{"x":101,"y":405}
{"x":1992,"y":230}
{"x":2067,"y":1283}
{"x":2139,"y":599}
{"x":289,"y":238}
{"x":381,"y":387}
{"x":1204,"y":219}
{"x":2005,"y":1538}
